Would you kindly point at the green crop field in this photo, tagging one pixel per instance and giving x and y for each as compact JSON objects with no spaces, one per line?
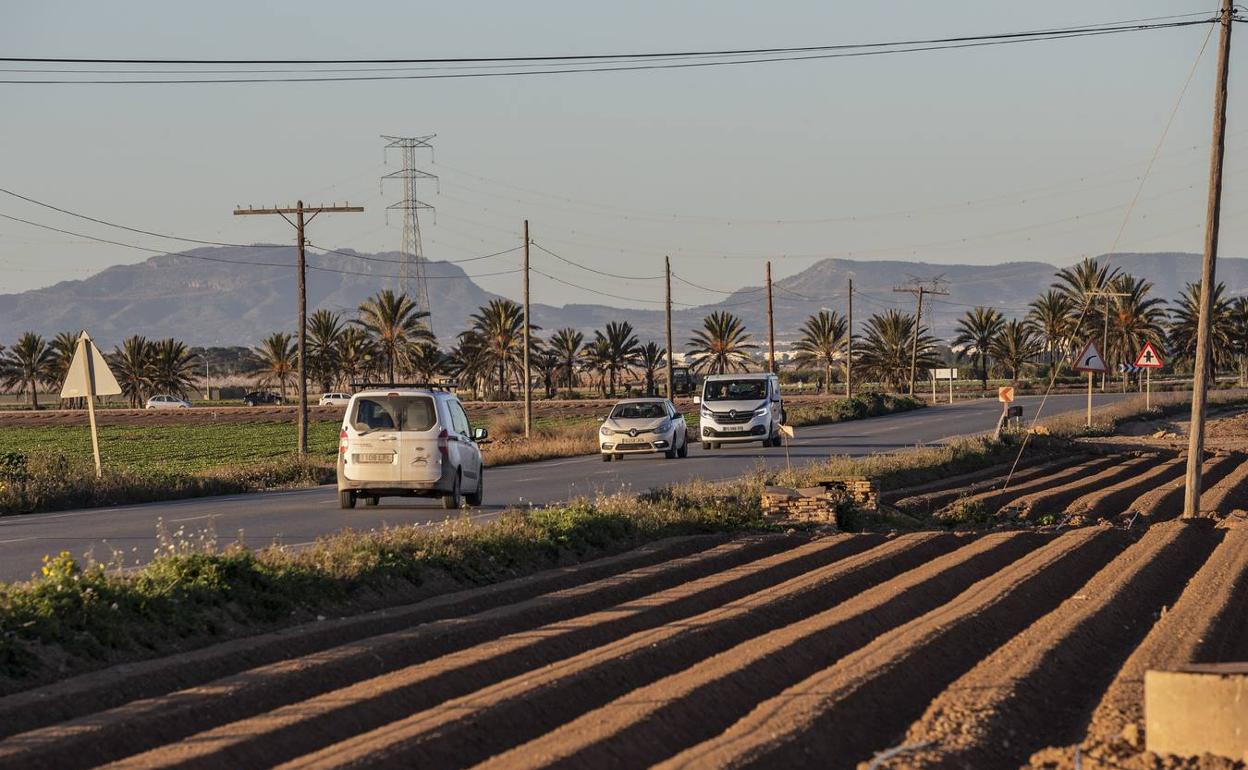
{"x":185,"y":448}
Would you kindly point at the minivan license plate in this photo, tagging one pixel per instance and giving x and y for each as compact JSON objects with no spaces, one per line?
{"x":733,"y":428}
{"x":379,"y":457}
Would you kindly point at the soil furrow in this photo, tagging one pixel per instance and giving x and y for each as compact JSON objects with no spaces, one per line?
{"x":470,"y":729}
{"x":1054,"y":499}
{"x":1166,"y":501}
{"x":1039,"y":689}
{"x":1229,"y":494}
{"x":104,"y":689}
{"x":1113,"y":500}
{"x":992,"y":500}
{"x":998,"y":471}
{"x":289,"y":731}
{"x":924,"y":504}
{"x":651,"y":723}
{"x":1194,"y":629}
{"x":148,"y":722}
{"x":888,"y":683}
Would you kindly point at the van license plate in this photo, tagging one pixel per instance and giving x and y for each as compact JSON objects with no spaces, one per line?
{"x":380,"y":457}
{"x":733,"y":428}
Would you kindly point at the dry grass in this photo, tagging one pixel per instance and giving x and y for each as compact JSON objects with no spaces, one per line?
{"x":551,"y":439}
{"x":1106,"y":419}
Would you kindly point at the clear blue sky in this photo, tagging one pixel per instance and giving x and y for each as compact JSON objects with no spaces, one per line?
{"x":1047,"y":140}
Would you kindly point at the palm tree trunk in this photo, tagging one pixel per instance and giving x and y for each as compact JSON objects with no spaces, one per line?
{"x":34,"y":395}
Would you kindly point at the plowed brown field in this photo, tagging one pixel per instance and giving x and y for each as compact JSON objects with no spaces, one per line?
{"x":1003,"y":649}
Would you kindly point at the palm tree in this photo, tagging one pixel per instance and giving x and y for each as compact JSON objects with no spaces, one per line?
{"x":277,"y":354}
{"x":721,"y":345}
{"x":468,"y":361}
{"x":29,"y":364}
{"x":596,"y":359}
{"x":1181,"y":334}
{"x":1133,"y":319}
{"x":1078,"y":283}
{"x":131,"y":362}
{"x":566,"y":345}
{"x":353,"y":354}
{"x":426,"y":361}
{"x":1051,"y":315}
{"x":884,"y":353}
{"x":547,"y":362}
{"x":500,"y":326}
{"x":976,"y":332}
{"x":1239,"y":335}
{"x":650,"y":358}
{"x":823,"y":342}
{"x":622,"y":350}
{"x":396,"y":324}
{"x":1015,"y":345}
{"x":63,"y":347}
{"x":172,"y":366}
{"x":325,"y":329}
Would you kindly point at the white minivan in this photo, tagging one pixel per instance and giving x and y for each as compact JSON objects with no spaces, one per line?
{"x":409,"y":442}
{"x":739,"y":408}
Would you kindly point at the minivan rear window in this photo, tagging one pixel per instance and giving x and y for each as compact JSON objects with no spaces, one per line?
{"x":404,"y":413}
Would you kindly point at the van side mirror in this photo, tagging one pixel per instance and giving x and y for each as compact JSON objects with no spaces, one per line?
{"x":480,"y":434}
{"x":697,"y":399}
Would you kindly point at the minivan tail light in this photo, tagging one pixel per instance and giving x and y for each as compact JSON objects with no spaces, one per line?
{"x":342,"y":442}
{"x":444,"y":444}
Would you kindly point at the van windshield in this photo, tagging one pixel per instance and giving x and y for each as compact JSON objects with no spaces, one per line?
{"x":736,"y":390}
{"x":403,"y":413}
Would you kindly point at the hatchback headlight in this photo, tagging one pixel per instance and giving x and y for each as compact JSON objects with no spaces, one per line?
{"x":663,"y":427}
{"x":604,"y":431}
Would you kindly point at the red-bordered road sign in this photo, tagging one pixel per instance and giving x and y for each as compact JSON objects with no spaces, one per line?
{"x":1090,"y":359}
{"x":1149,"y":358}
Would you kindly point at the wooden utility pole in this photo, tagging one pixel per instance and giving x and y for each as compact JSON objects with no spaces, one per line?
{"x":528,"y":380}
{"x":299,"y":224}
{"x":771,"y":326}
{"x":849,"y":348}
{"x":918,"y":290}
{"x":1213,"y":217}
{"x":667,"y":313}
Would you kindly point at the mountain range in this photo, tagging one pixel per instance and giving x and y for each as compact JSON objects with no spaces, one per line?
{"x":218,"y":296}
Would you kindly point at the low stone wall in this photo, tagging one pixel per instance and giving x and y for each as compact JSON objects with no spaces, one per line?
{"x":819,"y":504}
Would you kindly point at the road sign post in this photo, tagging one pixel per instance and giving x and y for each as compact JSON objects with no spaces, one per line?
{"x":943,"y":374}
{"x":1091,"y":361}
{"x":1148,"y":360}
{"x":88,"y":377}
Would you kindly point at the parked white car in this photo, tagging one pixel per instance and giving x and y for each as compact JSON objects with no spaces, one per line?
{"x":167,"y":402}
{"x":643,"y":426}
{"x":739,"y":408}
{"x":409,"y":442}
{"x":334,"y":399}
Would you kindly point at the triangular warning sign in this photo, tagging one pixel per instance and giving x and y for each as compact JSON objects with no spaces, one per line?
{"x":1149,"y":358}
{"x":89,"y":374}
{"x":1090,"y":359}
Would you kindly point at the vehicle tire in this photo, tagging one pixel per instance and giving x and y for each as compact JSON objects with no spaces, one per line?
{"x":684,"y":448}
{"x":372,"y":500}
{"x":670,"y":454}
{"x":706,"y":445}
{"x":476,"y":497}
{"x":453,"y":499}
{"x":346,"y":499}
{"x":606,"y":458}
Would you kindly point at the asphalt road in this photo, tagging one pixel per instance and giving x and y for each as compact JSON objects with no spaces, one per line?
{"x":300,"y":516}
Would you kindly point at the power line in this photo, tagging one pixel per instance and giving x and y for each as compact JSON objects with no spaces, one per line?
{"x":877,"y":49}
{"x":595,"y":270}
{"x":1139,"y":23}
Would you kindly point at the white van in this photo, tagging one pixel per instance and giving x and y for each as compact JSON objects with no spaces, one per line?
{"x":739,"y":408}
{"x":409,"y":442}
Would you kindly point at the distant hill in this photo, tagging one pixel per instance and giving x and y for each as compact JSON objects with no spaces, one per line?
{"x":216,"y":301}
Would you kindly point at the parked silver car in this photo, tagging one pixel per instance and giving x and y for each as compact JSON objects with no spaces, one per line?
{"x":163,"y":401}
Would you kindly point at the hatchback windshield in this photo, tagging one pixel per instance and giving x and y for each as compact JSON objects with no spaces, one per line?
{"x":414,"y":413}
{"x":736,"y":390}
{"x":643,"y":411}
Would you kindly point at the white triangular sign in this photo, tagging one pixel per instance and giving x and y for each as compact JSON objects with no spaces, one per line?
{"x":89,"y":377}
{"x":1090,"y":359}
{"x":1149,"y":358}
